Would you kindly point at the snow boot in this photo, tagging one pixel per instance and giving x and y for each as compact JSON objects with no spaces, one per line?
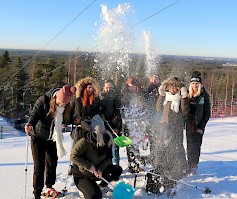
{"x":193,"y":170}
{"x":52,"y":193}
{"x":37,"y":196}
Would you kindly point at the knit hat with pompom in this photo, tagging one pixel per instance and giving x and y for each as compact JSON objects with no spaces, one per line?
{"x":66,"y":93}
{"x":196,"y":77}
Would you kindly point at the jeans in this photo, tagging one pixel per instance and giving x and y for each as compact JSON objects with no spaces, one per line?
{"x":116,"y":157}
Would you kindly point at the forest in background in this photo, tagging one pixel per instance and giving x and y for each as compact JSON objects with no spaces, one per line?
{"x":25,"y":76}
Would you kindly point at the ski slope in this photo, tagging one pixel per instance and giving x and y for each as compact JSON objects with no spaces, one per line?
{"x":217,"y":169}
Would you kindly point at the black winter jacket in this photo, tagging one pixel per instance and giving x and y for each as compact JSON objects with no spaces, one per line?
{"x":85,"y":154}
{"x":42,"y":123}
{"x":202,"y":111}
{"x":111,"y":105}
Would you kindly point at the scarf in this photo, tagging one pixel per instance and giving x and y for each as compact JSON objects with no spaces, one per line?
{"x":174,"y":99}
{"x":57,"y":132}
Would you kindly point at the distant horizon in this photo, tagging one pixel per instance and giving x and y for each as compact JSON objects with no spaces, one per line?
{"x":70,"y":51}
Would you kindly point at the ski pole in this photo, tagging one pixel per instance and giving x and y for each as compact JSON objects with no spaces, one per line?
{"x":26,"y":162}
{"x":64,"y":190}
{"x":206,"y":190}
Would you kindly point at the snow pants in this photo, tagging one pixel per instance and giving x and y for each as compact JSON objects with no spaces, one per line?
{"x":91,"y":189}
{"x":194,"y":142}
{"x":44,"y":153}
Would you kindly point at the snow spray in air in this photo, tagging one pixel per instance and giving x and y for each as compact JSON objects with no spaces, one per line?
{"x":152,"y":56}
{"x":115,"y":41}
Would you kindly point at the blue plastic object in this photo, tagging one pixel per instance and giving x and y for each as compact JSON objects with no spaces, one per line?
{"x":123,"y":191}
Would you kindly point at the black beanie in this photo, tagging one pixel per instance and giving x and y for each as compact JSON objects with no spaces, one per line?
{"x":196,"y":77}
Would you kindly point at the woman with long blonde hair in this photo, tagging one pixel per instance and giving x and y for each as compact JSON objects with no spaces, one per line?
{"x":199,"y":115}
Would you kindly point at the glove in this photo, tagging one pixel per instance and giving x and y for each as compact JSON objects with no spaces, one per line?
{"x":85,"y":126}
{"x":200,"y":131}
{"x":77,"y":120}
{"x":161,"y":90}
{"x":184,"y":92}
{"x":28,"y":129}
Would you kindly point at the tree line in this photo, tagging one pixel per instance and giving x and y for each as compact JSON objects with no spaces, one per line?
{"x":22,"y":82}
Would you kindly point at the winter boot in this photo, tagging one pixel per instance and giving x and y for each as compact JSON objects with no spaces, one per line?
{"x":37,"y":196}
{"x":53,"y":193}
{"x":193,"y":170}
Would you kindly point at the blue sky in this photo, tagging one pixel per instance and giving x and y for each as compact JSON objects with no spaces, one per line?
{"x":189,"y":27}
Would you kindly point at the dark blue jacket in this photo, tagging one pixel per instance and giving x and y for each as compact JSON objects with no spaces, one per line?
{"x":202,"y":110}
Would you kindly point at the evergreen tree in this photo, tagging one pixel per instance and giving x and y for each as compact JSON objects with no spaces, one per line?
{"x":59,"y":75}
{"x":5,"y":59}
{"x":17,"y":84}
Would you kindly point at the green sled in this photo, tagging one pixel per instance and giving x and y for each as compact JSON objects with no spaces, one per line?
{"x":122,"y":141}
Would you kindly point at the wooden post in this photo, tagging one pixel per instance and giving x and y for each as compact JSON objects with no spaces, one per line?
{"x":1,"y":131}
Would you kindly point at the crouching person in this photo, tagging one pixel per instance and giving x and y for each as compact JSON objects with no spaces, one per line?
{"x":92,"y":159}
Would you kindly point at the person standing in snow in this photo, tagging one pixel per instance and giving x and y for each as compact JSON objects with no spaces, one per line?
{"x":85,"y":105}
{"x":132,"y":92}
{"x":111,"y":103}
{"x":170,"y":156}
{"x":199,"y":115}
{"x":133,"y":99}
{"x":151,"y":99}
{"x":92,"y":159}
{"x":50,"y":111}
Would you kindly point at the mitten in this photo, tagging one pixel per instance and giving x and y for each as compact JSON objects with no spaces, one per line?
{"x":161,"y":90}
{"x":184,"y":92}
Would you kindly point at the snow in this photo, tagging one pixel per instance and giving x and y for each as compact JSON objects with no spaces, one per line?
{"x":217,"y":169}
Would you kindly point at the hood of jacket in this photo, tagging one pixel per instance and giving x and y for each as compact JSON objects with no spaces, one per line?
{"x":83,"y":83}
{"x":172,"y":81}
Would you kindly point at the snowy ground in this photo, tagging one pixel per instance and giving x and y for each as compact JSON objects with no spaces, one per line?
{"x":217,"y":168}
